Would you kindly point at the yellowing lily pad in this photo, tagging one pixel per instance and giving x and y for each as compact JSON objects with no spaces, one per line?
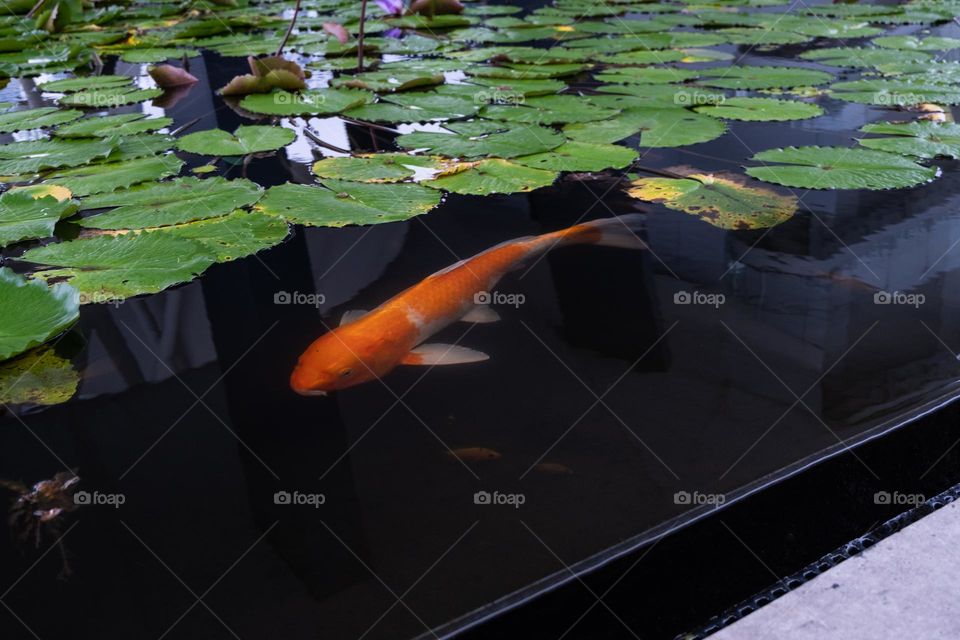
{"x":724,"y":200}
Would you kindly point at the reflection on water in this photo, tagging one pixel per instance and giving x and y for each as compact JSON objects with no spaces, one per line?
{"x":609,"y":391}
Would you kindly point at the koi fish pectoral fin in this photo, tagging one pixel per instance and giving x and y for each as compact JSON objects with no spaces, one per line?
{"x":480,"y":314}
{"x":438,"y":354}
{"x":352,"y":315}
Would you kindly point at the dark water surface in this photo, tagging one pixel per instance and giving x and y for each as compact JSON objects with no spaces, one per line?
{"x":185,"y":407}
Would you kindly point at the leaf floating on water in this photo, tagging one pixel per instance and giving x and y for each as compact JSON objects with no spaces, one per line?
{"x":912,"y":43}
{"x":25,"y":215}
{"x":862,"y":57}
{"x":762,"y":77}
{"x":895,"y":92}
{"x":30,"y":156}
{"x":389,"y":81}
{"x":379,"y":167}
{"x":504,"y":141}
{"x":110,"y":176}
{"x":36,"y":118}
{"x":761,"y":110}
{"x":33,"y":312}
{"x":311,"y":102}
{"x":657,"y":128}
{"x":167,"y":203}
{"x":106,"y":269}
{"x":70,"y":85}
{"x":581,"y":156}
{"x":245,"y":140}
{"x":340,"y":203}
{"x":109,"y":97}
{"x":493,"y":175}
{"x":923,"y":139}
{"x":839,"y":168}
{"x":724,"y":200}
{"x":550,"y":110}
{"x":38,"y":377}
{"x":235,"y":235}
{"x":121,"y":124}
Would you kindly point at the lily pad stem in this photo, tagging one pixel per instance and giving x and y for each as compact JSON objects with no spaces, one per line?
{"x":286,"y":36}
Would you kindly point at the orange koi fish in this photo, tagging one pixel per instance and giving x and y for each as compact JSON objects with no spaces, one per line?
{"x":368,"y":345}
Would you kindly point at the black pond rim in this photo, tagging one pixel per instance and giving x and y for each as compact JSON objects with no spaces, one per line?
{"x":846,"y":551}
{"x":577,"y":570}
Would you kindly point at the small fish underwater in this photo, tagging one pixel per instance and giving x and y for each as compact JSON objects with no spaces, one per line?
{"x":368,"y":345}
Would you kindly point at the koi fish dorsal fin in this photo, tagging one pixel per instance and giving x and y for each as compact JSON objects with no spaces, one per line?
{"x":481,"y":314}
{"x":353,"y":314}
{"x":437,"y":354}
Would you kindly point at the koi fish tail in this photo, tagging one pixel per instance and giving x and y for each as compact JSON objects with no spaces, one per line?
{"x":621,"y":231}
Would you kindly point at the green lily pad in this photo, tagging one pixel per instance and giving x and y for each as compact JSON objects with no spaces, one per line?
{"x":121,"y":124}
{"x":493,"y":175}
{"x":418,"y":106}
{"x":895,"y":93}
{"x":912,"y":43}
{"x":724,"y":200}
{"x":388,"y":81}
{"x":110,"y":176}
{"x":106,"y":269}
{"x":312,"y":102}
{"x":657,"y":128}
{"x":339,"y":203}
{"x":24,"y":216}
{"x":235,"y":235}
{"x":580,"y":156}
{"x":507,"y":141}
{"x":378,"y":167}
{"x":39,"y":377}
{"x":549,"y":110}
{"x":70,"y":85}
{"x":762,"y":77}
{"x":167,"y":203}
{"x":30,"y":156}
{"x":761,"y":110}
{"x":839,"y":168}
{"x":246,"y":139}
{"x":36,"y":118}
{"x":33,"y":312}
{"x":647,"y":75}
{"x":861,"y":57}
{"x":145,"y":54}
{"x":664,"y":96}
{"x":109,"y":97}
{"x":923,"y":139}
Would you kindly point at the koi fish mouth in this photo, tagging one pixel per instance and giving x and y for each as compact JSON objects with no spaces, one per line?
{"x":310,"y":392}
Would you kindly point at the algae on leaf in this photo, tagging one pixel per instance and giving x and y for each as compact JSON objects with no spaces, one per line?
{"x":724,"y":199}
{"x":39,"y":376}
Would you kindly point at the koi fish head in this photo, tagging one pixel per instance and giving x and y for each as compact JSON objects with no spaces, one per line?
{"x":330,"y":364}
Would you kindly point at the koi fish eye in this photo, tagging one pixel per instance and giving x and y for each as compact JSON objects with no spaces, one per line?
{"x":346,"y":372}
